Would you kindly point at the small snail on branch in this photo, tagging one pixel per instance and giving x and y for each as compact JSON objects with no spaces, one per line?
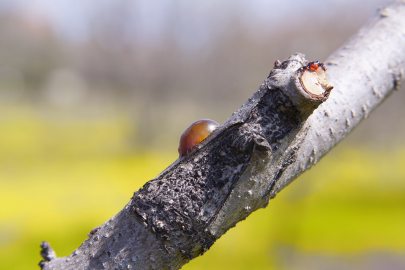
{"x":194,"y":134}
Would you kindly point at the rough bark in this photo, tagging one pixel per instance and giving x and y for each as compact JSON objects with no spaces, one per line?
{"x":275,"y":136}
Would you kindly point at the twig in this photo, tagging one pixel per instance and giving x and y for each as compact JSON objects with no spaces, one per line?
{"x":258,"y":151}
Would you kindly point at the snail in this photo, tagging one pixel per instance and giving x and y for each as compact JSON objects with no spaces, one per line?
{"x":194,"y":134}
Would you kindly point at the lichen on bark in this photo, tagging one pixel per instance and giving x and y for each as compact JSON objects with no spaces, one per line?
{"x":182,"y":202}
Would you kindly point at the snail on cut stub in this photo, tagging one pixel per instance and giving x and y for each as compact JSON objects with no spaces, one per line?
{"x":194,"y":134}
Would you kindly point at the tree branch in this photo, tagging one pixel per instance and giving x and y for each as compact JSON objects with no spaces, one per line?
{"x":274,"y":137}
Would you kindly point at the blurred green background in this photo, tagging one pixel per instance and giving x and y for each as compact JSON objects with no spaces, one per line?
{"x":94,"y":97}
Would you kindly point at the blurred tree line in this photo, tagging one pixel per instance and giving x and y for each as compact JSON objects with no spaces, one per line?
{"x":188,"y":69}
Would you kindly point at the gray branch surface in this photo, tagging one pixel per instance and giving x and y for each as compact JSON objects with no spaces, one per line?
{"x":280,"y":132}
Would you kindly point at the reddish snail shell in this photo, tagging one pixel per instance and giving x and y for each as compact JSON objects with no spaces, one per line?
{"x":194,"y":134}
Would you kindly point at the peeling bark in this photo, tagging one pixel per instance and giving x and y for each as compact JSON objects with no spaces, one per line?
{"x":280,"y":132}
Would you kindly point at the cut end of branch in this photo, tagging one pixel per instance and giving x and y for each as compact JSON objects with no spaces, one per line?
{"x":302,"y":81}
{"x":313,"y":80}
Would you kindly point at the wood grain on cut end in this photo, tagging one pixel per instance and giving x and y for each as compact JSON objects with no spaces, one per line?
{"x":313,"y":80}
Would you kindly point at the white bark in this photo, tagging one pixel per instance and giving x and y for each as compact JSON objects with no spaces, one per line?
{"x":364,"y":72}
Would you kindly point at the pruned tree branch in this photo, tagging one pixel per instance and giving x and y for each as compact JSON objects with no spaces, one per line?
{"x":280,"y":132}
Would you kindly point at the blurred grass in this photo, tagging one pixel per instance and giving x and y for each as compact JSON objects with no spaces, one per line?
{"x":61,"y":178}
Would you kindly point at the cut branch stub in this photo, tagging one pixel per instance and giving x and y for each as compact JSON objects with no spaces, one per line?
{"x":308,"y":86}
{"x":313,"y":80}
{"x":47,"y":253}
